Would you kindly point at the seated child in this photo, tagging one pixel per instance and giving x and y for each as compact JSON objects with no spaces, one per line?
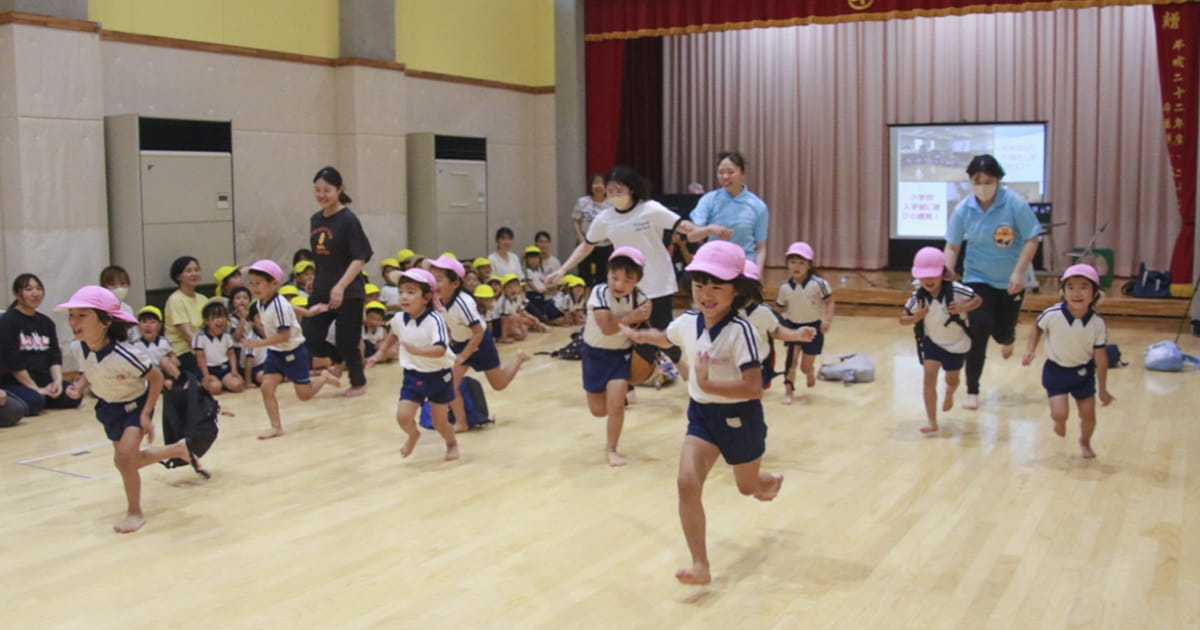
{"x":485,"y":303}
{"x":151,"y":341}
{"x":213,"y":347}
{"x":228,"y":278}
{"x":303,"y":274}
{"x":374,"y":330}
{"x":572,"y":300}
{"x":389,"y":268}
{"x":483,"y":267}
{"x":537,"y":302}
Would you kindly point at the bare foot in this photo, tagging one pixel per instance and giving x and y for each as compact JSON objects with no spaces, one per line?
{"x":787,"y":393}
{"x":410,"y":444}
{"x":331,"y":378}
{"x":522,"y":357}
{"x":948,"y":401}
{"x":273,"y":433}
{"x":773,"y":490}
{"x":698,"y":575}
{"x":614,"y":458}
{"x":1006,"y":351}
{"x":354,"y":391}
{"x":461,"y":427}
{"x":812,"y":379}
{"x":452,"y":452}
{"x":932,"y":427}
{"x":1060,"y":428}
{"x":971,"y":401}
{"x":630,"y":397}
{"x":1085,"y":450}
{"x":132,"y":523}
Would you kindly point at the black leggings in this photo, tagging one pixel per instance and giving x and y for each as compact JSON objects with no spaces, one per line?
{"x":348,"y":318}
{"x":594,"y":268}
{"x":996,"y":318}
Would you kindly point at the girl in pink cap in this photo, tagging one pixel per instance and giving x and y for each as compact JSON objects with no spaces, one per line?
{"x":127,"y":385}
{"x":936,"y":309}
{"x":725,"y":414}
{"x":426,"y":358}
{"x":804,"y":300}
{"x":1076,"y":353}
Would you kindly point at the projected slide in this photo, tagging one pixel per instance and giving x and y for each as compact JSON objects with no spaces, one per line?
{"x":928,"y":169}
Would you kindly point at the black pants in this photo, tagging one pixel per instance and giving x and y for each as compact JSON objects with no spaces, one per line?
{"x":594,"y":268}
{"x":996,"y":318}
{"x":349,"y":321}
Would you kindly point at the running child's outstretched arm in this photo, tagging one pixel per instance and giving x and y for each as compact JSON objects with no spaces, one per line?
{"x":827,"y":321}
{"x":1033,"y":343}
{"x":749,"y":387}
{"x":610,"y":325}
{"x":804,"y":334}
{"x":1100,"y":355}
{"x":651,"y":336}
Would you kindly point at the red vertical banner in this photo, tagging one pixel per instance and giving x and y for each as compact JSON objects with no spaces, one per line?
{"x":1177,"y":27}
{"x":604,"y":64}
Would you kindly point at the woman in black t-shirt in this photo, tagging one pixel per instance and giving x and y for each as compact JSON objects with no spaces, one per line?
{"x":340,"y":250}
{"x":30,"y":358}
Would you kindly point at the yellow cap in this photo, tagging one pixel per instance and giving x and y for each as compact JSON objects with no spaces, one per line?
{"x":481,"y":262}
{"x":289,"y":289}
{"x":567,"y":278}
{"x":299,"y":267}
{"x":576,"y":281}
{"x":404,"y":255}
{"x":370,"y":288}
{"x":375,"y":305}
{"x":450,"y":255}
{"x":512,"y":277}
{"x":300,"y":301}
{"x":223,"y":272}
{"x":389,"y":262}
{"x":153,"y":310}
{"x":484,"y":292}
{"x":533,"y":249}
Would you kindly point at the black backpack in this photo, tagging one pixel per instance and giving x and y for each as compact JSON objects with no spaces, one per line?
{"x":573,"y":351}
{"x":925,"y":297}
{"x":189,"y":411}
{"x":474,"y":404}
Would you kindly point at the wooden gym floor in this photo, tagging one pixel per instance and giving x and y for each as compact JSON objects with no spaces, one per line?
{"x":994,"y":523}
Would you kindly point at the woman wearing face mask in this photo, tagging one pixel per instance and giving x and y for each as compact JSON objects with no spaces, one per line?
{"x":1002,"y":231}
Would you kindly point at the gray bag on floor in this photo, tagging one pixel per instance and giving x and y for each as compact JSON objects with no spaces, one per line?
{"x":850,"y":368}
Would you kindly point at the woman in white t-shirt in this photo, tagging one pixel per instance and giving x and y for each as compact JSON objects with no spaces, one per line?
{"x":635,"y":220}
{"x":594,"y":268}
{"x":504,"y":261}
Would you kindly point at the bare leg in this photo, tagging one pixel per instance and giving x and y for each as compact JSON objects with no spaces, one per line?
{"x":500,"y":377}
{"x":457,"y":407}
{"x":233,"y":383}
{"x":406,"y":413}
{"x":615,"y":397}
{"x":128,"y":459}
{"x":313,"y":387}
{"x":930,"y":394}
{"x":1060,"y":408}
{"x":270,"y":385}
{"x":695,"y":460}
{"x":1087,"y":425}
{"x":789,"y":376}
{"x":951,"y":387}
{"x":441,"y":422}
{"x":806,"y":366}
{"x":752,"y":481}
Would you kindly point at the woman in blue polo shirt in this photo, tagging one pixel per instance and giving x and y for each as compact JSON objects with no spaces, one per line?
{"x":741,"y":214}
{"x":1002,"y":231}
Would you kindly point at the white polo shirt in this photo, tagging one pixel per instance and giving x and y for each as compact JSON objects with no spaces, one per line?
{"x":730,"y":343}
{"x":154,"y":350}
{"x":804,"y":302}
{"x":602,"y":299}
{"x":1071,"y":341}
{"x":567,"y":304}
{"x":375,"y":336}
{"x":505,"y":306}
{"x":215,"y":349}
{"x":641,"y":227}
{"x":116,"y":372}
{"x":276,"y":315}
{"x":461,"y":315}
{"x":389,"y":295}
{"x":765,"y":322}
{"x":427,"y":330}
{"x":938,"y":327}
{"x":534,"y":279}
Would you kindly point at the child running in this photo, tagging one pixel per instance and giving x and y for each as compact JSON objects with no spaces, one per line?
{"x":767,"y":325}
{"x":426,"y":358}
{"x":127,"y":386}
{"x":1076,"y":354}
{"x":287,"y":355}
{"x":937,"y":308}
{"x":471,"y":341}
{"x":805,"y":300}
{"x":725,"y":414}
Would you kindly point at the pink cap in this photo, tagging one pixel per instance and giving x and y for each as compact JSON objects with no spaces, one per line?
{"x":269,"y":267}
{"x":632,"y":253}
{"x":929,"y":262}
{"x":449,"y":264}
{"x":1082,"y":270}
{"x":722,"y":259}
{"x":750,"y":270}
{"x":801,"y":249}
{"x":100,"y":299}
{"x":425,"y":278}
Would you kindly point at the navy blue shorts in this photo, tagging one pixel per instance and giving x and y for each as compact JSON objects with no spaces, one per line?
{"x":813,"y":347}
{"x":368,"y":348}
{"x":951,"y":361}
{"x":737,"y":429}
{"x":117,"y":416}
{"x":219,"y":371}
{"x":256,"y":372}
{"x":485,"y":357}
{"x":497,"y":331}
{"x":294,"y":365}
{"x":1078,"y":381}
{"x":601,"y":366}
{"x":436,"y":387}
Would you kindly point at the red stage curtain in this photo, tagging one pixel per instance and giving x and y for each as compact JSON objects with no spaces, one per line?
{"x":1178,"y":30}
{"x":639,"y":142}
{"x":626,"y":19}
{"x":604,"y":65}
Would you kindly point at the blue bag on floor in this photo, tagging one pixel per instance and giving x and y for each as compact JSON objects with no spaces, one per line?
{"x":1165,"y":356}
{"x":474,"y":403}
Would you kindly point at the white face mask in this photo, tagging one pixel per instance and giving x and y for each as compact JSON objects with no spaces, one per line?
{"x":120,"y":292}
{"x":985,"y":192}
{"x":620,"y":202}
